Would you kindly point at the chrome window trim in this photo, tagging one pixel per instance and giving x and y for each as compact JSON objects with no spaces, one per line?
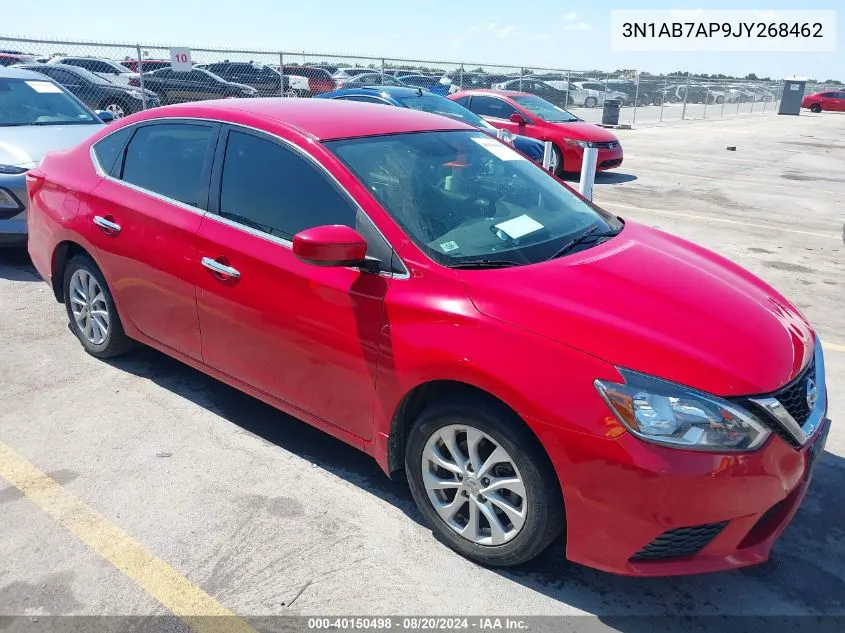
{"x":214,"y":216}
{"x":802,"y":434}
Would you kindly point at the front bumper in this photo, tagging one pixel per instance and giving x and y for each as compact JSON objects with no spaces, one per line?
{"x":607,"y":158}
{"x":656,"y":511}
{"x":13,"y":222}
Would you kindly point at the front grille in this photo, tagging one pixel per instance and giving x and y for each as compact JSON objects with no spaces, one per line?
{"x":680,"y":542}
{"x":793,"y":397}
{"x":611,"y":163}
{"x":608,"y":145}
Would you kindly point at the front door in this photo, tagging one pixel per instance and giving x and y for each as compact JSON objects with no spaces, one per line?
{"x":144,"y":220}
{"x":305,"y":334}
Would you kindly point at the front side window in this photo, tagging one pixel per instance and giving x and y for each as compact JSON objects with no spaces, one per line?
{"x":465,"y":198}
{"x":544,"y":110}
{"x":169,"y":159}
{"x":39,"y":102}
{"x":491,"y":106}
{"x":273,"y":189}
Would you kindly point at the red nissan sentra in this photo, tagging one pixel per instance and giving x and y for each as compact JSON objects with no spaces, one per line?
{"x":536,"y":365}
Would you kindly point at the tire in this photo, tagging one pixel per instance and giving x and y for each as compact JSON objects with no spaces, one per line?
{"x":118,"y":107}
{"x":658,"y":100}
{"x":558,"y":161}
{"x":720,"y":100}
{"x":591,"y":102}
{"x":539,"y":510}
{"x":102,"y":342}
{"x":815,"y":108}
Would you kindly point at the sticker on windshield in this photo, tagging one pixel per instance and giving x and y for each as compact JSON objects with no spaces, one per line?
{"x":516,"y":228}
{"x":498,"y":149}
{"x":43,"y":86}
{"x":449,"y":246}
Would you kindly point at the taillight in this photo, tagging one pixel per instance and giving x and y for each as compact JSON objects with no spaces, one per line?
{"x":34,"y":181}
{"x":134,"y":81}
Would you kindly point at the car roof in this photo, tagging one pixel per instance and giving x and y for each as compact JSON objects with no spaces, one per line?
{"x":500,"y":93}
{"x":390,"y":91}
{"x":20,"y":73}
{"x":322,"y":119}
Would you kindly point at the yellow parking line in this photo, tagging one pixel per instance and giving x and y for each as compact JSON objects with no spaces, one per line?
{"x":693,"y":216}
{"x":189,"y":603}
{"x":836,"y":347}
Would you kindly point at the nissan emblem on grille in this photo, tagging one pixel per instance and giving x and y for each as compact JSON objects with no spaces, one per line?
{"x":812,"y":393}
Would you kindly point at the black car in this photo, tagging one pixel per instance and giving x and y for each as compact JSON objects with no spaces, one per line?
{"x":644,"y":93}
{"x":194,"y":85}
{"x":539,"y":88}
{"x":94,"y":91}
{"x":263,"y":78}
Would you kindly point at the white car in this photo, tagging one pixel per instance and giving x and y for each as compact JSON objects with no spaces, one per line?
{"x":105,"y":68}
{"x":601,"y":91}
{"x":579,"y":96}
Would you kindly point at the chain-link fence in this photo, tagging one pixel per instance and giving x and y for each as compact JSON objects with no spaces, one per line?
{"x":126,"y":78}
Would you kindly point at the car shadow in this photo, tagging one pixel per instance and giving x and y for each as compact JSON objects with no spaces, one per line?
{"x":805,"y":576}
{"x":15,"y":265}
{"x":613,"y":178}
{"x":269,"y":423}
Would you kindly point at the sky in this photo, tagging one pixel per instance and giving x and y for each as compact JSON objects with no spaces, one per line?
{"x":535,"y":33}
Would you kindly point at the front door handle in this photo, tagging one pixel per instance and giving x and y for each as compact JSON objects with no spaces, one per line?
{"x":107,"y":225}
{"x":221,"y":269}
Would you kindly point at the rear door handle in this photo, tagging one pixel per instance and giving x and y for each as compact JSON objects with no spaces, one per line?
{"x":221,"y":269}
{"x":108,"y":225}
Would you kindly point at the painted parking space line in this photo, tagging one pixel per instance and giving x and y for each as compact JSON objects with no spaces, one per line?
{"x":692,"y":216}
{"x":198,"y":610}
{"x":836,"y":347}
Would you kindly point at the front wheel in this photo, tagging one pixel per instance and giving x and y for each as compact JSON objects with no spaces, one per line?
{"x":116,"y":107}
{"x":591,"y":102}
{"x":482,"y":482}
{"x":91,"y":310}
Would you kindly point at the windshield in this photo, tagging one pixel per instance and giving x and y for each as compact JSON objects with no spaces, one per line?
{"x":544,"y":110}
{"x":39,"y":102}
{"x":465,"y":198}
{"x":89,"y":76}
{"x":444,"y":107}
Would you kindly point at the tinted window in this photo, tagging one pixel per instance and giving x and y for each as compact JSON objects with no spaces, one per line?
{"x":490,"y":106}
{"x":828,"y":94}
{"x":217,"y":69}
{"x":110,"y":149}
{"x":62,"y":76}
{"x":169,"y":160}
{"x":273,"y":189}
{"x":164,"y":73}
{"x":463,"y":101}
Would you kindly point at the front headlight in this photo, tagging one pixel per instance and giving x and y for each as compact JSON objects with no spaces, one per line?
{"x":9,"y":201}
{"x":12,"y":170}
{"x":673,"y":415}
{"x":584,"y":143}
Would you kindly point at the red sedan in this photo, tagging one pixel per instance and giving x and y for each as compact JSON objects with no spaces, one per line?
{"x":830,"y":100}
{"x":530,"y":115}
{"x":427,"y":294}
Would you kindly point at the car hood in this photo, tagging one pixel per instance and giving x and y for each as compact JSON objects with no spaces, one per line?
{"x":583,"y":131}
{"x":656,"y":304}
{"x":25,"y":145}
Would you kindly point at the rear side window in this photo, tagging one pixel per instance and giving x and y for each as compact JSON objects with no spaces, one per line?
{"x":463,"y":101}
{"x":273,"y":189}
{"x":110,"y":149}
{"x":169,"y":159}
{"x":490,"y":106}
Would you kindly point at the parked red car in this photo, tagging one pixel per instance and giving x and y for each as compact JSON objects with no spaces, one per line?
{"x":530,"y":115}
{"x":830,"y":100}
{"x":427,"y":294}
{"x":319,"y":79}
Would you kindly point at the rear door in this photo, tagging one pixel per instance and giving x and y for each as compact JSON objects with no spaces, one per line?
{"x":144,"y":216}
{"x":305,"y":334}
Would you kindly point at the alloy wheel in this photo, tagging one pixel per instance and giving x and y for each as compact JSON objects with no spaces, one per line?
{"x":116,"y":110}
{"x":474,"y":485}
{"x":89,"y":307}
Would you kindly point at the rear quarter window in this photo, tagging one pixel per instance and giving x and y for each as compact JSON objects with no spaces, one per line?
{"x":109,"y":150}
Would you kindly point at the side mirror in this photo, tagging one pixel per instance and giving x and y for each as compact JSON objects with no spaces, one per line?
{"x":517,"y":118}
{"x":332,"y":245}
{"x":105,"y":115}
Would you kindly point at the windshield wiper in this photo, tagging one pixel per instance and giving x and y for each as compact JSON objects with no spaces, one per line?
{"x":590,"y":234}
{"x":45,"y":123}
{"x":485,"y":263}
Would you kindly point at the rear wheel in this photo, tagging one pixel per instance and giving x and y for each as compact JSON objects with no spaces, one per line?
{"x":482,"y":481}
{"x":91,"y":310}
{"x":815,"y":108}
{"x":117,"y":107}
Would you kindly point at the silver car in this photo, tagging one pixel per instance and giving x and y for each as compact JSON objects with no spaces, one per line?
{"x":36,"y":116}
